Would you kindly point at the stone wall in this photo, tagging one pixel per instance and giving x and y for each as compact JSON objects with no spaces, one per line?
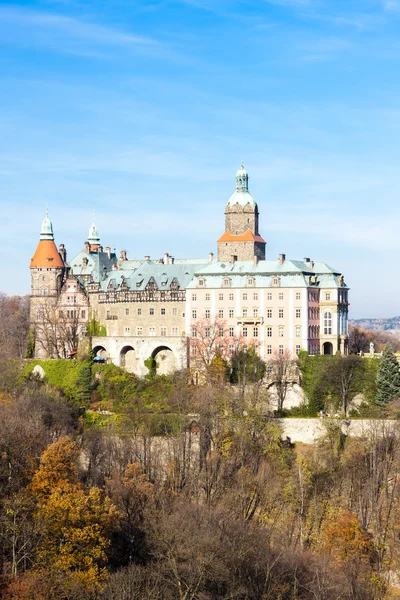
{"x":308,"y":431}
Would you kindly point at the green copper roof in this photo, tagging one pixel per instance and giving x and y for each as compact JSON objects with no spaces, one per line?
{"x":46,"y":232}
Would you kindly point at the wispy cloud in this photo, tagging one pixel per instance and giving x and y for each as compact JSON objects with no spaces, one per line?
{"x":70,"y":34}
{"x":391,"y":5}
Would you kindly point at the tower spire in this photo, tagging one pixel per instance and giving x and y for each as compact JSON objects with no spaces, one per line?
{"x":46,"y":232}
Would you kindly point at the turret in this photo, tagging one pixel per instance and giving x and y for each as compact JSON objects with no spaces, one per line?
{"x":241,"y":239}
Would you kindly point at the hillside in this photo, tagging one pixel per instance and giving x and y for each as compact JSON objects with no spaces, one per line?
{"x":391,"y":324}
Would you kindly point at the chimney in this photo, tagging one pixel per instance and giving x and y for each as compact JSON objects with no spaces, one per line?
{"x":62,"y":252}
{"x":211,"y":257}
{"x":87,"y":247}
{"x":84,"y":262}
{"x":255,"y":258}
{"x":122,"y":255}
{"x":306,"y":260}
{"x":166,"y":256}
{"x":115,"y":267}
{"x":147,"y":257}
{"x":170,"y":260}
{"x":282,"y":258}
{"x":100,"y":249}
{"x":233,"y":259}
{"x":108,"y":250}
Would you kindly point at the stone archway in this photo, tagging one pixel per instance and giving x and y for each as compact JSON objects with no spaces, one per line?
{"x":127,"y":357}
{"x":327,"y":348}
{"x":100,"y":351}
{"x":165,"y":358}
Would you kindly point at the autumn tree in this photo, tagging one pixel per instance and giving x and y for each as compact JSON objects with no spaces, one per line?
{"x":247,"y":367}
{"x":14,"y":326}
{"x":75,"y":523}
{"x":209,"y":339}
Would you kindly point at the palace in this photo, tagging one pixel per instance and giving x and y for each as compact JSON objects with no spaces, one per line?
{"x":168,"y":308}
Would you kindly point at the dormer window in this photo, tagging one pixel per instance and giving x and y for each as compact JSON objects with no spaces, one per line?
{"x":226,"y":282}
{"x":276,"y":282}
{"x":201,"y":282}
{"x":250,"y":282}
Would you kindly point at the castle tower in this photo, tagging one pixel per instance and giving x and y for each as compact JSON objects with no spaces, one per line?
{"x":93,"y":238}
{"x":241,"y":239}
{"x":47,"y":273}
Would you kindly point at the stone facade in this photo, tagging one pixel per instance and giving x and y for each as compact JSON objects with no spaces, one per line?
{"x":155,"y":308}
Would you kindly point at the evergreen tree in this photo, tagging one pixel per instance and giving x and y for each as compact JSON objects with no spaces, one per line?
{"x":388,"y":378}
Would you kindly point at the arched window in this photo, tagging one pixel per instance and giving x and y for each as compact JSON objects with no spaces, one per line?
{"x":328,"y":323}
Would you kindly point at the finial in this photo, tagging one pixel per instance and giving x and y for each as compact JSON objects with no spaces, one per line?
{"x":93,"y":216}
{"x":47,"y":211}
{"x":241,"y":164}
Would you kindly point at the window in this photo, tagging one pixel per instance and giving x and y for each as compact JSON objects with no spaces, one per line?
{"x":152,"y":331}
{"x":226,"y":283}
{"x":175,"y":312}
{"x":220,"y":296}
{"x":208,"y":313}
{"x":175,"y":331}
{"x":231,"y":297}
{"x":220,"y":331}
{"x":194,"y":332}
{"x":194,"y":350}
{"x":244,"y":312}
{"x":201,"y":282}
{"x":108,"y":316}
{"x":162,"y":311}
{"x":250,"y":282}
{"x":231,"y":313}
{"x":298,"y":313}
{"x":244,"y":296}
{"x":269,"y":313}
{"x":127,"y":331}
{"x":231,"y":331}
{"x":280,"y":349}
{"x":275,"y":281}
{"x":163,"y":331}
{"x":244,"y":348}
{"x":255,"y":332}
{"x":269,"y":370}
{"x":194,"y":297}
{"x":298,"y":296}
{"x":298,"y":349}
{"x":61,"y":314}
{"x":221,"y":314}
{"x":255,"y":296}
{"x":255,"y":312}
{"x":244,"y":331}
{"x":207,"y":297}
{"x":194,"y":314}
{"x":280,"y":331}
{"x":151,"y":311}
{"x":139,"y":311}
{"x":207,"y":332}
{"x":327,"y":323}
{"x":280,"y":313}
{"x":269,"y":349}
{"x":269,"y":296}
{"x":44,"y":292}
{"x":327,"y":296}
{"x":280,"y":295}
{"x":230,"y":348}
{"x":298,"y":331}
{"x":269,"y":331}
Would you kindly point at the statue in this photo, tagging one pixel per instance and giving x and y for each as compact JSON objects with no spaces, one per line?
{"x":371,"y":349}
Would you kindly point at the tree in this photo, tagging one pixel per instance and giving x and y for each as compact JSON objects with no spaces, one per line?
{"x":14,"y":325}
{"x":281,"y":373}
{"x":75,"y":523}
{"x":345,"y":376}
{"x":388,"y":378}
{"x":247,"y":366}
{"x":208,"y":339}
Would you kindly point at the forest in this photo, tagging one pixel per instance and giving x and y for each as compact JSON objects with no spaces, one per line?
{"x":112,"y":487}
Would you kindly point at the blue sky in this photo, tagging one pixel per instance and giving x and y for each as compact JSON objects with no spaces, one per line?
{"x":142,"y":110}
